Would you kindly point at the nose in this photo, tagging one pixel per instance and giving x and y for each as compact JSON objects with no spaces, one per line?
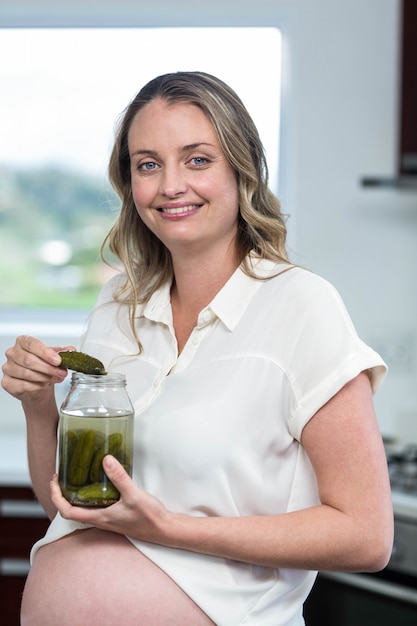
{"x":173,"y":181}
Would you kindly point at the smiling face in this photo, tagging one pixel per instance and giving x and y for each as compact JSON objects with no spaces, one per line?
{"x":183,"y":187}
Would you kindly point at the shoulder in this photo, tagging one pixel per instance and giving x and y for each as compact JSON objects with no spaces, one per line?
{"x":108,"y":292}
{"x":298,"y":304}
{"x":301,"y":286}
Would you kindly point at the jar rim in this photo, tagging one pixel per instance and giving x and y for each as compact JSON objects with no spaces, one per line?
{"x":110,"y":378}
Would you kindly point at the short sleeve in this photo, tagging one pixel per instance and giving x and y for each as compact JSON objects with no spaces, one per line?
{"x":327,"y":351}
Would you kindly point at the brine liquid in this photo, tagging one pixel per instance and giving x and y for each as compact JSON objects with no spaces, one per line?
{"x":85,"y":437}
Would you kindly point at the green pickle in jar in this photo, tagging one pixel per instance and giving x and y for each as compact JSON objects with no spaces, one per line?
{"x":96,"y":418}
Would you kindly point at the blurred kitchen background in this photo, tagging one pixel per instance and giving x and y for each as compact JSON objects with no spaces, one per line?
{"x":332,"y":86}
{"x":325,"y":89}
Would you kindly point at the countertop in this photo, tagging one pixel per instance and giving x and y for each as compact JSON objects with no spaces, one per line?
{"x":14,"y":471}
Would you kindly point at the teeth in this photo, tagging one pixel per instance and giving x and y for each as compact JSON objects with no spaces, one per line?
{"x":182,"y":209}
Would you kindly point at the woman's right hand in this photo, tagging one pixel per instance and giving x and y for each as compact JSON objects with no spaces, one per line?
{"x":32,"y":369}
{"x":29,"y":374}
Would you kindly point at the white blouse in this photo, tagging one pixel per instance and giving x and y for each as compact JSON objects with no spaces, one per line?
{"x":218,"y":428}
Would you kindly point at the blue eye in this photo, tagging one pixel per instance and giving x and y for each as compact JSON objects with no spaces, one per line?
{"x":199,"y":160}
{"x":149,"y":165}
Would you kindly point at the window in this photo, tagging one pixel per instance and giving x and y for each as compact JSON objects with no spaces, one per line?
{"x":62,"y":92}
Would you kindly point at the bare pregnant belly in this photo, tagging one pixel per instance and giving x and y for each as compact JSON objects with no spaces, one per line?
{"x":97,"y":578}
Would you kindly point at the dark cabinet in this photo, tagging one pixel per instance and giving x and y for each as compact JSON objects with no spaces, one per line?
{"x":408,"y":90}
{"x":386,"y":598}
{"x":22,"y":523}
{"x":405,"y":175}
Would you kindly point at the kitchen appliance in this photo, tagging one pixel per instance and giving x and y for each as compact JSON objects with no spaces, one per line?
{"x":387,"y":598}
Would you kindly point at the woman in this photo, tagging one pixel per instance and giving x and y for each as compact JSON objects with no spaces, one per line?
{"x":258,"y":458}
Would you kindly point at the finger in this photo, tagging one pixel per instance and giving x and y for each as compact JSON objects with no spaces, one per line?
{"x":19,"y":379}
{"x":117,"y":473}
{"x":25,"y":384}
{"x":31,"y":354}
{"x":61,"y":349}
{"x":66,"y":509}
{"x":33,"y":361}
{"x":32,"y":347}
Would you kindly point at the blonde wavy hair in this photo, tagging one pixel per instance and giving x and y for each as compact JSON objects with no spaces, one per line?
{"x":262,"y":230}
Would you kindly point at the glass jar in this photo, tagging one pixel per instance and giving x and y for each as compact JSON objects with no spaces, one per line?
{"x":96,"y":418}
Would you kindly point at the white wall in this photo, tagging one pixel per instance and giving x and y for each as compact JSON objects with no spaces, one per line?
{"x":339,"y":124}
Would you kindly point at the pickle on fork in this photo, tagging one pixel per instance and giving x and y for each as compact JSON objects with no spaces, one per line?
{"x":81,"y":362}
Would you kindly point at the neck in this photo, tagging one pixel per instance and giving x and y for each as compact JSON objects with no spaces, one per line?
{"x":196,"y":283}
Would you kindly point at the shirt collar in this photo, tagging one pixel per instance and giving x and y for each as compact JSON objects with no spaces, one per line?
{"x":228,"y":305}
{"x":231,"y":302}
{"x":158,"y":307}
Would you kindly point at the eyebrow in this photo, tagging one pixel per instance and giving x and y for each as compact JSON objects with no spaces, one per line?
{"x":193,"y":146}
{"x":187,"y":148}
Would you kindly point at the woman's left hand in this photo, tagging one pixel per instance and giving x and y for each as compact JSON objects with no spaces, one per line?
{"x":351,"y":530}
{"x":137,"y":513}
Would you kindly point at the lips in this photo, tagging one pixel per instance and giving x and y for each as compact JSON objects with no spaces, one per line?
{"x":179,"y":210}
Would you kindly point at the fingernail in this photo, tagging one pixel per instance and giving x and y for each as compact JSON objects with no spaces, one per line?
{"x":109,"y":461}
